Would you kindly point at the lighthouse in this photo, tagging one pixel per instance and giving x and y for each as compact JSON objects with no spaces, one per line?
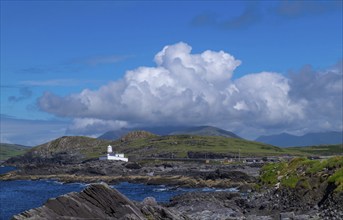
{"x":111,"y":156}
{"x":109,"y":150}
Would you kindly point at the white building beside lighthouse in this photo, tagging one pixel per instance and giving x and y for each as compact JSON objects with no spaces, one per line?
{"x":113,"y":156}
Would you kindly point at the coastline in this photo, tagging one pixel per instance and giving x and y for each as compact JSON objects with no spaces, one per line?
{"x":178,"y":181}
{"x":312,"y":195}
{"x":191,"y":175}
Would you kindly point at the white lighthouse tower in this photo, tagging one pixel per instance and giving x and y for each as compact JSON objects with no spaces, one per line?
{"x":109,"y":150}
{"x":111,"y":156}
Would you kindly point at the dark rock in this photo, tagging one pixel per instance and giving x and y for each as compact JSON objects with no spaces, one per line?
{"x":158,"y":212}
{"x":95,"y":202}
{"x":208,"y":155}
{"x":133,"y":165}
{"x":99,"y":201}
{"x":332,"y":207}
{"x":205,"y":205}
{"x":149,"y":201}
{"x":286,"y":215}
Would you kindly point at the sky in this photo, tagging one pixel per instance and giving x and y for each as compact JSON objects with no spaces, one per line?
{"x":250,"y":67}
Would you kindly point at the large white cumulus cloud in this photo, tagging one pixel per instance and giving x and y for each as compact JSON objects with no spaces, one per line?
{"x":194,"y":89}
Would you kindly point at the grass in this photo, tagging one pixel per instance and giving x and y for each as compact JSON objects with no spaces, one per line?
{"x":181,"y":144}
{"x":178,"y":145}
{"x":322,"y":150}
{"x":300,"y":170}
{"x":290,"y":181}
{"x":271,"y":171}
{"x":89,"y":147}
{"x":337,"y":178}
{"x":11,"y":150}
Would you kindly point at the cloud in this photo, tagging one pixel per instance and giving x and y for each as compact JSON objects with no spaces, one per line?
{"x":321,"y":92}
{"x":25,"y":93}
{"x":30,"y":132}
{"x":196,"y":89}
{"x":293,"y":9}
{"x":74,"y":65}
{"x":50,"y":69}
{"x":257,"y":12}
{"x":35,"y":70}
{"x":58,"y":82}
{"x":248,"y":17}
{"x":96,"y":60}
{"x":94,"y":127}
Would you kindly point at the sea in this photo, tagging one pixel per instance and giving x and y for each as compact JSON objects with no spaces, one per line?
{"x":19,"y":195}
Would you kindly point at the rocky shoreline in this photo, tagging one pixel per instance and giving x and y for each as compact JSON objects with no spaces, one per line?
{"x":111,"y":172}
{"x":99,"y":201}
{"x":254,"y":200}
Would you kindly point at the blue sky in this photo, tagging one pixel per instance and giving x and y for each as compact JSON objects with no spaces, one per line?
{"x":61,"y":60}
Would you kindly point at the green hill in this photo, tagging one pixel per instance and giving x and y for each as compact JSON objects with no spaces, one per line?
{"x":321,"y":150}
{"x":144,"y":144}
{"x":148,"y":145}
{"x":83,"y":147}
{"x":11,"y":150}
{"x":304,"y":173}
{"x":180,"y":145}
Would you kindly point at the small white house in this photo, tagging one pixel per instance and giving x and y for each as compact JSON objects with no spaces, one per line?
{"x":111,"y":156}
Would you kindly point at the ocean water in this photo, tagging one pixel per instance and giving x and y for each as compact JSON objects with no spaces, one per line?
{"x":20,"y":195}
{"x":6,"y":169}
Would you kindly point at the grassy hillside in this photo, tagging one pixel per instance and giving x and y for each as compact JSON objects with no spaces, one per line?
{"x":145,"y":144}
{"x":88,"y":147}
{"x":181,"y":144}
{"x":149,"y":145}
{"x":11,"y":150}
{"x":323,"y":150}
{"x":305,"y":173}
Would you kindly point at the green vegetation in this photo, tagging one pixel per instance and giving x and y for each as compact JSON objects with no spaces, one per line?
{"x":88,"y":147}
{"x":337,"y":178}
{"x":11,"y":150}
{"x":271,"y":171}
{"x":181,"y":144}
{"x":143,"y":144}
{"x":322,"y":150}
{"x":299,"y":171}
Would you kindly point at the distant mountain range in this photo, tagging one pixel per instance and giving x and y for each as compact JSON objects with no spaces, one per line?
{"x":206,"y":131}
{"x":199,"y":130}
{"x":310,"y":139}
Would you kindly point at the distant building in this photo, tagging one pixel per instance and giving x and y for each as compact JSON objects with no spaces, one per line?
{"x":113,"y":156}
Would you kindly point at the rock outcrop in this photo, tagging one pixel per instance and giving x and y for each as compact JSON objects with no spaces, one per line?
{"x":208,"y":205}
{"x":98,"y":201}
{"x":173,"y":174}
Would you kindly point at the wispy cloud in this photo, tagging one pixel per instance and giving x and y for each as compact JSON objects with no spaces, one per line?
{"x":50,"y":69}
{"x":25,"y":93}
{"x":249,"y":16}
{"x":35,"y":70}
{"x":59,"y":82}
{"x":99,"y":60}
{"x":74,"y":65}
{"x":254,"y":13}
{"x":294,"y":9}
{"x":30,"y":132}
